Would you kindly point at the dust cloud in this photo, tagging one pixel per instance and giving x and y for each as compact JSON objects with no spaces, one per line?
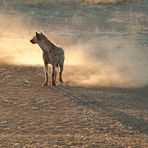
{"x":99,"y":60}
{"x":108,"y":61}
{"x":15,"y":33}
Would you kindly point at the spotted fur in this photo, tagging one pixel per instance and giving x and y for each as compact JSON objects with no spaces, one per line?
{"x":51,"y":55}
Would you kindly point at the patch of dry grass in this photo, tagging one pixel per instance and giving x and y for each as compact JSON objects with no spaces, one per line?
{"x":33,"y":116}
{"x":105,"y":1}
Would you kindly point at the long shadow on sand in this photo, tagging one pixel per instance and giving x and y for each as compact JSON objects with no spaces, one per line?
{"x":128,"y":106}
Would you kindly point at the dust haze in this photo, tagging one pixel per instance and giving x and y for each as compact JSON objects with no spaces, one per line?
{"x":96,"y":57}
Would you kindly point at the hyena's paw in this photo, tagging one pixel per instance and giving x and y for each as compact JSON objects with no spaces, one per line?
{"x":45,"y":84}
{"x":61,"y":81}
{"x":53,"y":84}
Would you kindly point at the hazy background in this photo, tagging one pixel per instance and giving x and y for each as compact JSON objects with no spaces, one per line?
{"x":106,"y":39}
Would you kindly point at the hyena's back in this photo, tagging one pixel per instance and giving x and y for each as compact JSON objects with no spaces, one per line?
{"x":55,"y":58}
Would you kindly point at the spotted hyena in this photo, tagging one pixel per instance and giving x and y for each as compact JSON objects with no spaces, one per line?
{"x":51,"y":55}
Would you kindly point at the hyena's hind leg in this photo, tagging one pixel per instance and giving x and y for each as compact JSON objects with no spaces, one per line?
{"x":60,"y":74}
{"x":46,"y":74}
{"x":53,"y":76}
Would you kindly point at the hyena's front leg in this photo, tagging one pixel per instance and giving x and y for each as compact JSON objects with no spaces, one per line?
{"x":60,"y":73}
{"x":53,"y":75}
{"x":46,"y":74}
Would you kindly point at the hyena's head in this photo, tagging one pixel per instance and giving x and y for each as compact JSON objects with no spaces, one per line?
{"x":36,"y":38}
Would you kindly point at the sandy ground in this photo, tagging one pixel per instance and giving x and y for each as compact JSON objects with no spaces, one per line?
{"x":32,"y":115}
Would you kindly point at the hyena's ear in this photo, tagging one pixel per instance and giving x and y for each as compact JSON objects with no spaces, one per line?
{"x":37,"y":36}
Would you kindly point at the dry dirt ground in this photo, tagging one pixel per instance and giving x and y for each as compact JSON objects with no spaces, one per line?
{"x":32,"y":115}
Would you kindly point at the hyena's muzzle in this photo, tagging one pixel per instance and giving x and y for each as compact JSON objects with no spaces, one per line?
{"x":33,"y":41}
